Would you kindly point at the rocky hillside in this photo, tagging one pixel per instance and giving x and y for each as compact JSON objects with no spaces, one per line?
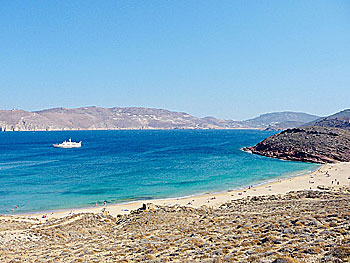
{"x":308,"y":144}
{"x":305,"y":226}
{"x":98,"y":118}
{"x":338,"y":120}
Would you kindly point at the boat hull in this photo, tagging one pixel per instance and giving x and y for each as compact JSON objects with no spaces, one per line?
{"x":66,"y":146}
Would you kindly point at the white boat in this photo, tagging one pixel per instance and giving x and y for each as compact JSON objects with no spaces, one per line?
{"x":68,"y":144}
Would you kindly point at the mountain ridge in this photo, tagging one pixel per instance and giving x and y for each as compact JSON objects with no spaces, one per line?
{"x":280,"y":120}
{"x":337,"y":120}
{"x":279,"y":117}
{"x":119,"y":118}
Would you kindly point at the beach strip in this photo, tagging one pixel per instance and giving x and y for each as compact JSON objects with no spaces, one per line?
{"x":328,"y":175}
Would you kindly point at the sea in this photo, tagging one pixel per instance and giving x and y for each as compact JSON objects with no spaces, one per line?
{"x":127,"y":165}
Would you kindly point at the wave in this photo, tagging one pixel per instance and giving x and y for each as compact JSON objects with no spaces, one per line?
{"x":91,"y":191}
{"x":181,"y":183}
{"x":21,"y":164}
{"x":183,"y":149}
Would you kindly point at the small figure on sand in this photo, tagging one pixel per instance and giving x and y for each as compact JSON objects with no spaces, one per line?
{"x":190,"y":203}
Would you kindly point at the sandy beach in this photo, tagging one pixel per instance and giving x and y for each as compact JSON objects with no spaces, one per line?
{"x":327,"y":175}
{"x":282,"y":221}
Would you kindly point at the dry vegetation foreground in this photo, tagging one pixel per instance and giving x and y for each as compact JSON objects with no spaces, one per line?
{"x":305,"y":226}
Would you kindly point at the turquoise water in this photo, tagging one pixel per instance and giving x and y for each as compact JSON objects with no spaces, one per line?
{"x":123,"y":166}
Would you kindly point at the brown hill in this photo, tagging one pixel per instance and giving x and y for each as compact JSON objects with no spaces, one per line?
{"x":98,"y":118}
{"x":117,"y":118}
{"x":338,"y":120}
{"x":308,"y":144}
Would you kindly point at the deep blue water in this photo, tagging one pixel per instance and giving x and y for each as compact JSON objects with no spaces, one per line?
{"x":123,"y":166}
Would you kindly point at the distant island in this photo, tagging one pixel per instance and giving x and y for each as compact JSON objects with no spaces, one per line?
{"x":325,"y":140}
{"x":132,"y":118}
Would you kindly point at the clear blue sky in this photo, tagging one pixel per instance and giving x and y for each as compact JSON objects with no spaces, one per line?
{"x":230,"y":59}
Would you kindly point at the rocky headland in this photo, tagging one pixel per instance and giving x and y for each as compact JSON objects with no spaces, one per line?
{"x":302,"y":226}
{"x":308,"y":144}
{"x":325,"y":140}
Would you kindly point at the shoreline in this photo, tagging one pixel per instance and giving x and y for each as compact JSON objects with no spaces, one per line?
{"x":141,"y":129}
{"x":177,"y":198}
{"x":327,"y":175}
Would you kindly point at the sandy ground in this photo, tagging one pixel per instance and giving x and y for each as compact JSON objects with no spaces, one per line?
{"x":326,"y":175}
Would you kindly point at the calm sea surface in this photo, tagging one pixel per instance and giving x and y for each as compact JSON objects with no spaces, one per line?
{"x":123,"y":166}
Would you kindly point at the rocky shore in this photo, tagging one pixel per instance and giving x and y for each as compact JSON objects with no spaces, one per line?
{"x":301,"y":226}
{"x":307,"y":144}
{"x":325,"y":140}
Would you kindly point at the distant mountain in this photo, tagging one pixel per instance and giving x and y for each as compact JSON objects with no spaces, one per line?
{"x":223,"y":123}
{"x":279,"y":120}
{"x":337,"y":120}
{"x":98,"y":118}
{"x":324,"y":140}
{"x":284,"y":125}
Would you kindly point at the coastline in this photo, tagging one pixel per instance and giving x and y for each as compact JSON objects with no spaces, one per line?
{"x":138,"y":129}
{"x":336,"y":174}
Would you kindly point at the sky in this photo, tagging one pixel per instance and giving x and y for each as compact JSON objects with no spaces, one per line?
{"x":228,"y":59}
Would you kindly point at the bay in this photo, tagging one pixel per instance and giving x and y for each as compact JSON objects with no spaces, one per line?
{"x":124,"y":165}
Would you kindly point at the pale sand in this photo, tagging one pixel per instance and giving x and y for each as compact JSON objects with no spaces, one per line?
{"x":339,"y":172}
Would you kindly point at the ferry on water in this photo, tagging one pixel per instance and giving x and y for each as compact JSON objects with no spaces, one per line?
{"x":68,"y":144}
